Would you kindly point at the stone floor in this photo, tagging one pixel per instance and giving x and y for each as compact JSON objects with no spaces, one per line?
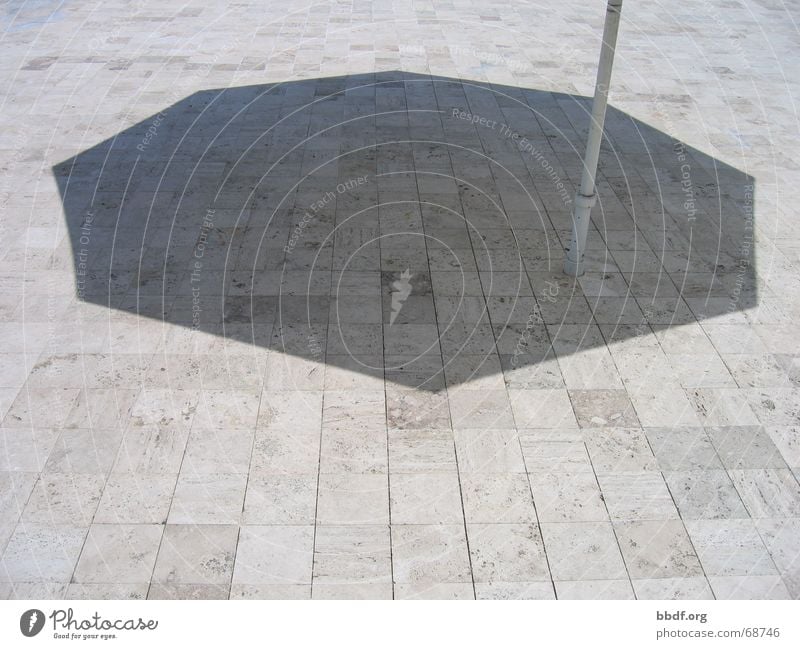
{"x":283,"y":315}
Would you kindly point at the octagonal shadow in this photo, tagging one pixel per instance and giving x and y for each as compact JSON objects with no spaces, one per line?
{"x":405,"y":226}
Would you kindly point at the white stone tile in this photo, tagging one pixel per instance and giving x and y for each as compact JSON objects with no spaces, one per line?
{"x":580,"y":552}
{"x":425,"y":498}
{"x":210,"y":499}
{"x":274,"y":555}
{"x":196,"y":554}
{"x":595,"y":589}
{"x":430,"y":554}
{"x":730,"y":547}
{"x":657,"y":550}
{"x":542,"y":408}
{"x":507,"y":553}
{"x":121,"y":554}
{"x":567,"y":497}
{"x":353,"y":554}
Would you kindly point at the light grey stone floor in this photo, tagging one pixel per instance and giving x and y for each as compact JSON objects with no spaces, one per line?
{"x":282,"y":312}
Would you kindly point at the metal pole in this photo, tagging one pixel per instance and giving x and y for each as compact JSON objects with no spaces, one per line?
{"x":585,"y":197}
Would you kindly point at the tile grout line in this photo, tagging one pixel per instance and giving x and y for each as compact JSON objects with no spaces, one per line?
{"x":432,"y":82}
{"x":383,"y":338}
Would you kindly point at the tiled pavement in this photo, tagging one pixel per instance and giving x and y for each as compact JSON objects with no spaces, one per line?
{"x":308,"y":337}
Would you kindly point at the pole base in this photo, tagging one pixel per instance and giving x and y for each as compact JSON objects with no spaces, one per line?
{"x":572,"y":267}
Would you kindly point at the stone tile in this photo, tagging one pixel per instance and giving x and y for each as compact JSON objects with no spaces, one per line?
{"x":168,"y":591}
{"x":705,"y":494}
{"x":280,"y":499}
{"x":701,"y":371}
{"x":118,"y":554}
{"x":295,"y":410}
{"x":26,"y":449}
{"x":64,"y":499}
{"x":152,"y":450}
{"x":542,"y":408}
{"x":488,"y":451}
{"x":99,"y":408}
{"x":345,"y":450}
{"x":543,"y":456}
{"x":497,"y":498}
{"x":746,"y":447}
{"x":598,"y":408}
{"x":532,"y":372}
{"x":271,"y":591}
{"x":118,"y":369}
{"x":33,"y":590}
{"x":663,"y":406}
{"x":14,"y":371}
{"x":212,"y":499}
{"x":640,"y":369}
{"x":352,"y":591}
{"x":768,"y":493}
{"x":683,"y":449}
{"x":421,"y":451}
{"x":619,"y":450}
{"x":613,"y":311}
{"x":730,"y":547}
{"x":430,"y":553}
{"x":734,"y":338}
{"x":196,"y":554}
{"x":235,"y":372}
{"x":84,"y":451}
{"x":487,"y":409}
{"x":657,"y":550}
{"x":15,"y":489}
{"x":614,"y":589}
{"x":285,"y":372}
{"x":687,"y":339}
{"x":585,"y":367}
{"x":286,"y":452}
{"x":42,"y":553}
{"x":425,"y":498}
{"x":780,"y":537}
{"x":107,"y":591}
{"x":578,"y":552}
{"x":353,"y":373}
{"x":721,"y":407}
{"x":227,"y":409}
{"x":407,"y":410}
{"x":677,"y":588}
{"x":541,"y":590}
{"x":757,"y":371}
{"x":434,"y":591}
{"x":136,"y":499}
{"x":410,"y":339}
{"x":415,"y":373}
{"x":637,"y":496}
{"x":474,"y":373}
{"x":41,"y":408}
{"x":353,"y":554}
{"x":749,"y":587}
{"x":567,"y":497}
{"x":507,"y":553}
{"x":173,"y":409}
{"x":218,"y":451}
{"x":773,"y":407}
{"x":353,"y":499}
{"x":787,"y":440}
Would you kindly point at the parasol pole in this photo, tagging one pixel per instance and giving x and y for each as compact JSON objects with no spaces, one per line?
{"x":586,"y":196}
